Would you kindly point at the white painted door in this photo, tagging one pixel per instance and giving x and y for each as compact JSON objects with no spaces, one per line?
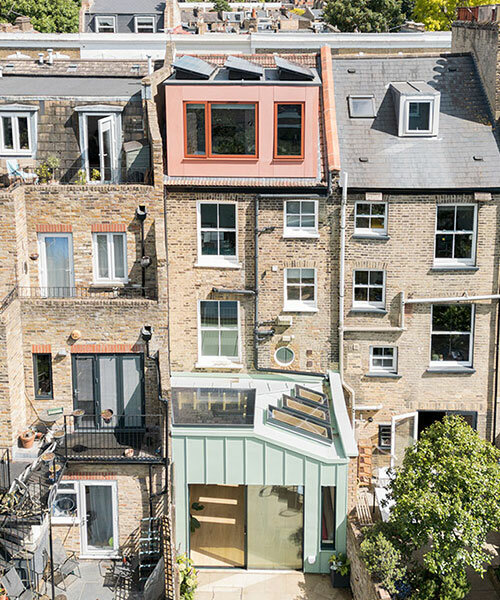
{"x":56,"y":265}
{"x":404,"y":432}
{"x":99,"y":519}
{"x":107,"y":149}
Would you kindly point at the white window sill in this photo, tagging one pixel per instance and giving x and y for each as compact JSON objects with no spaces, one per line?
{"x":450,"y":369}
{"x":382,"y":374}
{"x":301,"y":235}
{"x":21,"y":153}
{"x":370,"y":236}
{"x":217,"y":264}
{"x":217,"y":363}
{"x":453,"y":267}
{"x":369,"y":309}
{"x":299,"y":307}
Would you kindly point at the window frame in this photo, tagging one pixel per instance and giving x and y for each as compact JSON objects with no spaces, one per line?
{"x":301,"y":232}
{"x":97,"y":24}
{"x":375,"y":233}
{"x":152,"y":18}
{"x":208,"y":130}
{"x":367,"y":305}
{"x":328,"y":544}
{"x":216,"y":260}
{"x":38,"y":396}
{"x":68,"y":520}
{"x":454,"y":363}
{"x":380,"y":436}
{"x":404,"y":116}
{"x":296,"y":157}
{"x":203,"y":359}
{"x":281,"y":363}
{"x":393,"y":370}
{"x":111,"y":256}
{"x":15,"y":116}
{"x":454,"y":262}
{"x":352,"y":97}
{"x":300,"y":305}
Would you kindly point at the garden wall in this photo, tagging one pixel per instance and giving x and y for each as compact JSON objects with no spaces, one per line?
{"x":362,"y":585}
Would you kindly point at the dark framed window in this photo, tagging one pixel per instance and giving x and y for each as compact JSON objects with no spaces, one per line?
{"x":328,"y":522}
{"x":384,"y":436}
{"x":289,"y":130}
{"x":112,"y":382}
{"x":452,"y":334}
{"x":42,"y":376}
{"x":419,"y":116}
{"x":220,"y":129}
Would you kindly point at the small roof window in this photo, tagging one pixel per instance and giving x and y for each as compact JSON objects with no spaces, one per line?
{"x":417,"y":108}
{"x":361,"y":107}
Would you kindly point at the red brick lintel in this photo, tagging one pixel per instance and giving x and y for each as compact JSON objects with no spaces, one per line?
{"x":109,"y":227}
{"x":41,"y":349}
{"x":106,"y":348}
{"x":47,"y":228}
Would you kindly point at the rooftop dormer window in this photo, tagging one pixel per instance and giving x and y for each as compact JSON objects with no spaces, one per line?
{"x":145,"y":24}
{"x":417,"y":108}
{"x":105,"y":24}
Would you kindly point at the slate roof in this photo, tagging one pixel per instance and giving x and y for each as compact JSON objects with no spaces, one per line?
{"x":71,"y":87}
{"x":126,"y":7}
{"x":442,"y":162}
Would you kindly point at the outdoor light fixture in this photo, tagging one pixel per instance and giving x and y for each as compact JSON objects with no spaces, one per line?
{"x":141,"y":212}
{"x":146,"y":333}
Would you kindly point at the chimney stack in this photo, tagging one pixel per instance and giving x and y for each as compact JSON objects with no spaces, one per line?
{"x":477,"y":31}
{"x":23,"y":24}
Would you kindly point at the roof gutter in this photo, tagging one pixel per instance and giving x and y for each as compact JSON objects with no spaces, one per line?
{"x":464,"y":298}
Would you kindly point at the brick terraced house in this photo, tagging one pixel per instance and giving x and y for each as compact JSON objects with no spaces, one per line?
{"x":416,"y":140}
{"x":261,"y":436}
{"x":197,"y":263}
{"x":83,"y":322}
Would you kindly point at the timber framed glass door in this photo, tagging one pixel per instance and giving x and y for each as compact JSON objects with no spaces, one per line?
{"x":113,"y":382}
{"x":57,"y":279}
{"x":219,"y":541}
{"x":99,"y":521}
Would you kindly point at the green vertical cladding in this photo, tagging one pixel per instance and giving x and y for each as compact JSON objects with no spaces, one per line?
{"x":241,"y":458}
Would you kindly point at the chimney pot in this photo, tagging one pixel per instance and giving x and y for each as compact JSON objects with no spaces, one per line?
{"x":40,"y":58}
{"x":50,"y":59}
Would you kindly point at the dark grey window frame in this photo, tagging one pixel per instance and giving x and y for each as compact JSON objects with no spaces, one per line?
{"x":35,"y":377}
{"x":96,"y":380}
{"x":381,"y":427}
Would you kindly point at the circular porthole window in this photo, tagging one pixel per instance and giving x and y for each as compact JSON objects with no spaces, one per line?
{"x":284,"y":356}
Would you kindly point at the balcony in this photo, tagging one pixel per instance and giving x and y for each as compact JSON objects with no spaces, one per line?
{"x":129,"y":292}
{"x":132,"y":439}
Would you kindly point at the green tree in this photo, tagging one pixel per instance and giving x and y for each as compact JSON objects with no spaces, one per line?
{"x":47,"y":16}
{"x":445,"y":504}
{"x":364,"y":15}
{"x":220,"y":5}
{"x":438,"y":15}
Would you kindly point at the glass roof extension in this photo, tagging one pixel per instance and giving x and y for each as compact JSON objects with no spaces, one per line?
{"x":213,"y":406}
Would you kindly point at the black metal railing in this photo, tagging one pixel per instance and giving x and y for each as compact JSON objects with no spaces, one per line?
{"x":5,"y":479}
{"x":95,"y":438}
{"x":88,"y":292}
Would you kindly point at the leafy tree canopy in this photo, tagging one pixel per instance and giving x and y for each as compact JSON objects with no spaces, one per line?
{"x":222,"y":5}
{"x":364,"y":15}
{"x":446,"y":502}
{"x":47,"y":16}
{"x":438,"y":15}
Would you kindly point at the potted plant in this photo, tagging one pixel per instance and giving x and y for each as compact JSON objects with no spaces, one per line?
{"x":27,"y":438}
{"x":340,"y":568}
{"x":107,"y":415}
{"x":3,"y":593}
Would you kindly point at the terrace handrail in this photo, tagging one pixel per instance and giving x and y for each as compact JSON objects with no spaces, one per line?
{"x":119,"y":438}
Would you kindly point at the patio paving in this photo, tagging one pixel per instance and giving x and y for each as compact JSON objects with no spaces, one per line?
{"x":95,"y":584}
{"x":219,"y":584}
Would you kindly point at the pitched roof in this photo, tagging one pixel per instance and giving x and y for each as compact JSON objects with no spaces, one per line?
{"x":77,"y":68}
{"x":392,"y":162}
{"x":126,"y":7}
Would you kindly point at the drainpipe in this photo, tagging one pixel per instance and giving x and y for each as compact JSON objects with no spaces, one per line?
{"x":256,"y":310}
{"x":141,"y":213}
{"x":495,"y":386}
{"x":343,"y":209}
